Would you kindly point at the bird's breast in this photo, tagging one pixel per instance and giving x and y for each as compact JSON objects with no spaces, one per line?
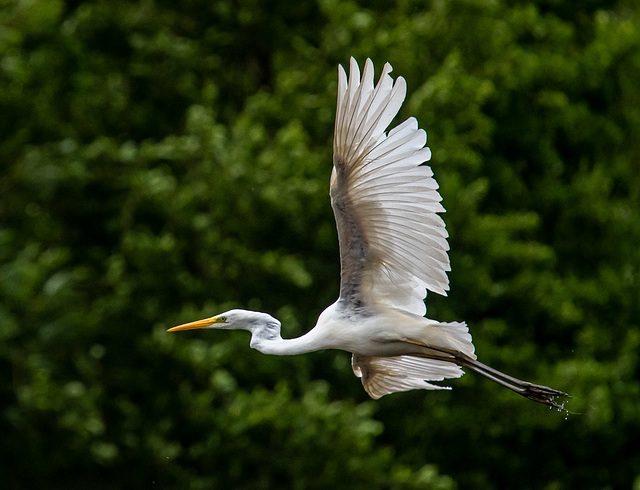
{"x":367,"y":331}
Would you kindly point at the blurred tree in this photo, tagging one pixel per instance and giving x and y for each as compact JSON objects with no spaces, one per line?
{"x":164,"y":161}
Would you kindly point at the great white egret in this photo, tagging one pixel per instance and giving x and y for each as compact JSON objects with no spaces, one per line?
{"x":393,"y":248}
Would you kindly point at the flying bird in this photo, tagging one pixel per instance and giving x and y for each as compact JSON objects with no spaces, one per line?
{"x":393,"y":249}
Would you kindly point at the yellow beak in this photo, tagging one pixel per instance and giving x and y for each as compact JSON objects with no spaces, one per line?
{"x":207,"y":322}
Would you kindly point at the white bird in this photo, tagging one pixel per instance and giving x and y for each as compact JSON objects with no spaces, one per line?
{"x":393,"y":248}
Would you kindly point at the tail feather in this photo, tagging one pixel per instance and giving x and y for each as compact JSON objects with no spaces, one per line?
{"x":458,"y":337}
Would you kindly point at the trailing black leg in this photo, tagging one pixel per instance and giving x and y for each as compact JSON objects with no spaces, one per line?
{"x":537,"y":393}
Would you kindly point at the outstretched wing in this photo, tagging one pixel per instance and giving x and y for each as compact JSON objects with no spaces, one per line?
{"x":393,"y":244}
{"x":383,"y":375}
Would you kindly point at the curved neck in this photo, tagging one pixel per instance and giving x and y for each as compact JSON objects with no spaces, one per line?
{"x":276,"y":345}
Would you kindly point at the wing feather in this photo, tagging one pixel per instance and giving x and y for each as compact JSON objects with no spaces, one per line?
{"x":393,"y":244}
{"x":383,"y":375}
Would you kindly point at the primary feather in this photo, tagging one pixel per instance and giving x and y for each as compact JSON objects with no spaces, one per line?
{"x":393,"y":245}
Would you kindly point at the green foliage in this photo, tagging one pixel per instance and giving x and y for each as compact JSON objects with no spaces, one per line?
{"x":166,"y":161}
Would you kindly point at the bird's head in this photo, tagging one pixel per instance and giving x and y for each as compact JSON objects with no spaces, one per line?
{"x":253,"y":321}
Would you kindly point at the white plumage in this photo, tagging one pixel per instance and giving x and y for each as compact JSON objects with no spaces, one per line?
{"x":393,"y":248}
{"x":384,"y":375}
{"x":389,"y":191}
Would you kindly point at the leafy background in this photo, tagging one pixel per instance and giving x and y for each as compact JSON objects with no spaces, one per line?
{"x":163,"y":161}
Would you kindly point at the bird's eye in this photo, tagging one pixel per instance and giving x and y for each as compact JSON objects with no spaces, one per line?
{"x":221,"y":319}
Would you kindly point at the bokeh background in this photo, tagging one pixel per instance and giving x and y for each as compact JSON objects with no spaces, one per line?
{"x":164,"y":161}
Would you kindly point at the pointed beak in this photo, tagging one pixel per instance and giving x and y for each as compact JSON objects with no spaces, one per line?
{"x":207,"y":322}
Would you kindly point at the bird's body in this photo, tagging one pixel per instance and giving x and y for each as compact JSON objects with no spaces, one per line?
{"x":386,"y":332}
{"x":393,"y":248}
